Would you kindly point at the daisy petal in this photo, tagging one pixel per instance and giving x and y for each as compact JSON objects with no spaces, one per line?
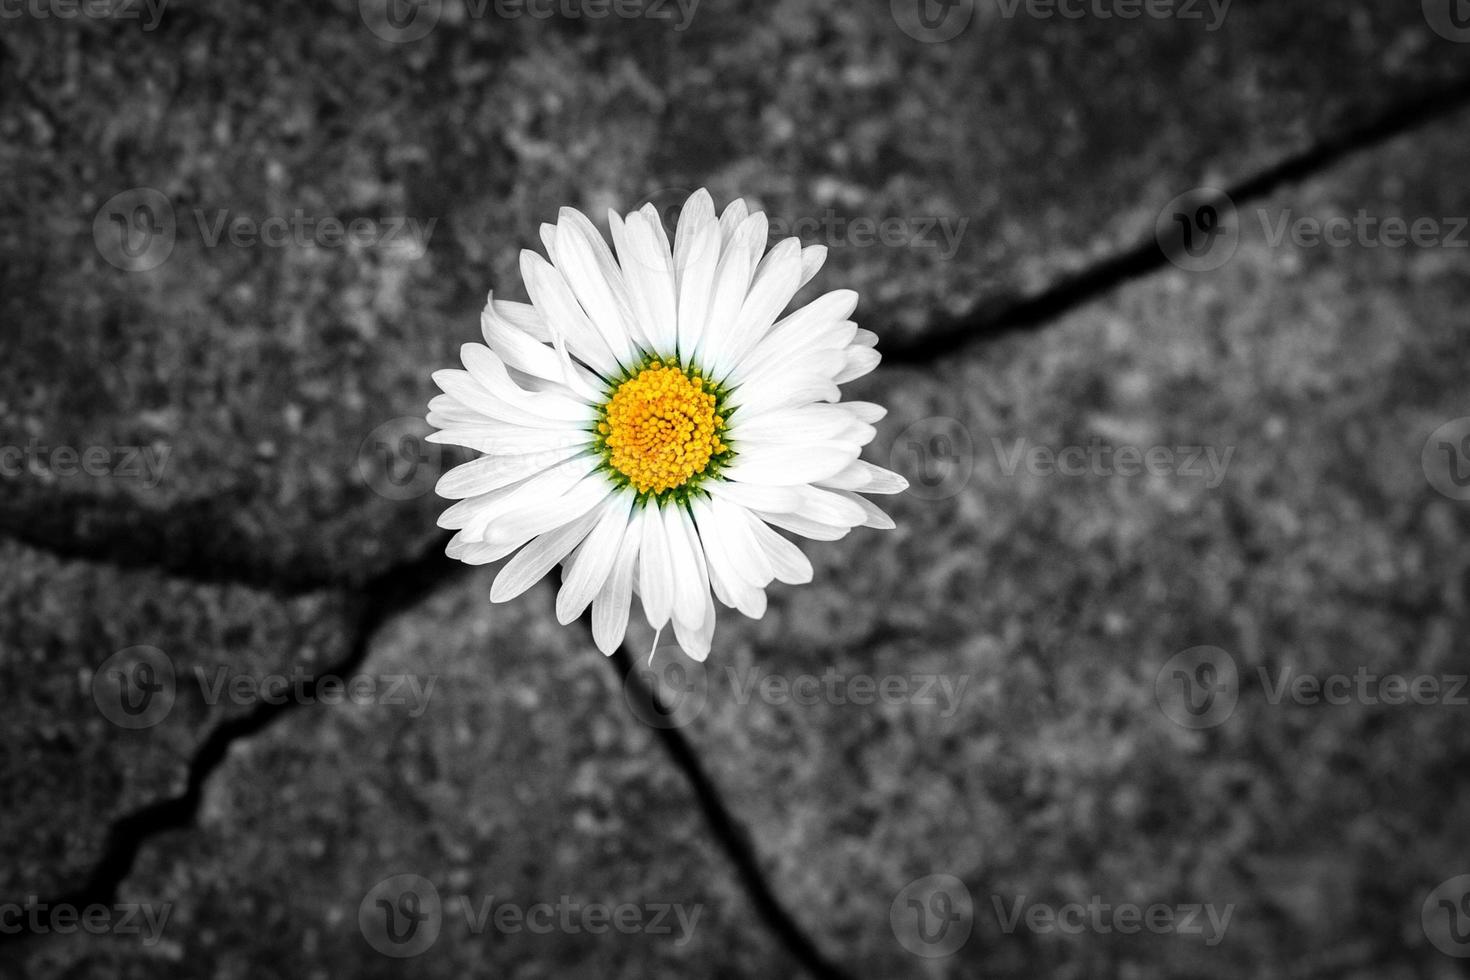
{"x":686,"y":559}
{"x":650,"y":274}
{"x":696,"y":641}
{"x":541,"y":516}
{"x":757,"y":496}
{"x":804,"y":328}
{"x":776,"y":280}
{"x":586,"y":573}
{"x":539,"y":557}
{"x":476,"y":514}
{"x":785,"y":388}
{"x":729,"y":587}
{"x":486,"y":367}
{"x":737,"y":263}
{"x":732,"y":524}
{"x":864,"y":477}
{"x":610,"y":607}
{"x":733,"y":216}
{"x":806,"y":424}
{"x":474,"y":552}
{"x":494,"y":472}
{"x":466,"y":391}
{"x":784,"y":465}
{"x":865,"y":411}
{"x":655,"y":573}
{"x":522,"y":316}
{"x":522,"y":351}
{"x":829,"y":507}
{"x":793,"y":348}
{"x":612,"y":273}
{"x":577,"y":261}
{"x":860,"y":361}
{"x":790,"y":565}
{"x":804,"y":526}
{"x":873,"y":515}
{"x":512,"y":440}
{"x":551,"y":294}
{"x":696,"y":257}
{"x":812,"y":258}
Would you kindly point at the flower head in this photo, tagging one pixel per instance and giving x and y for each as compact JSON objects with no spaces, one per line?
{"x":647,"y":421}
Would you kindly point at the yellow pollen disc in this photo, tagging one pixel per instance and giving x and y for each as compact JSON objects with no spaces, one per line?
{"x":661,"y":428}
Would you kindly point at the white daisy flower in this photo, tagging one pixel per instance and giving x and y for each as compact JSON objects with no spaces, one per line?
{"x":648,"y":421}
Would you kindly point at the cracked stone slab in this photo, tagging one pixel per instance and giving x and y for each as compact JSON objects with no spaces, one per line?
{"x":111,"y":683}
{"x":526,"y":781}
{"x":267,"y":374}
{"x":277,"y":374}
{"x":1044,"y":601}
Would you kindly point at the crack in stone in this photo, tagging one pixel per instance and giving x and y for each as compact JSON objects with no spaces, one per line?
{"x":727,"y":830}
{"x":999,"y":316}
{"x":137,"y":539}
{"x":395,"y":591}
{"x":185,"y":541}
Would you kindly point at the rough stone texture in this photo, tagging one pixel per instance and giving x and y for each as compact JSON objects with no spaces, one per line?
{"x":264,"y":373}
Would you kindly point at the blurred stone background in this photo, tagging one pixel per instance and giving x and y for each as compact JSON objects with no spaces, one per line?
{"x":259,"y":481}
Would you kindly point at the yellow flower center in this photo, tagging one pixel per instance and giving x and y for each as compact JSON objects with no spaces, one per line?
{"x":661,"y":429}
